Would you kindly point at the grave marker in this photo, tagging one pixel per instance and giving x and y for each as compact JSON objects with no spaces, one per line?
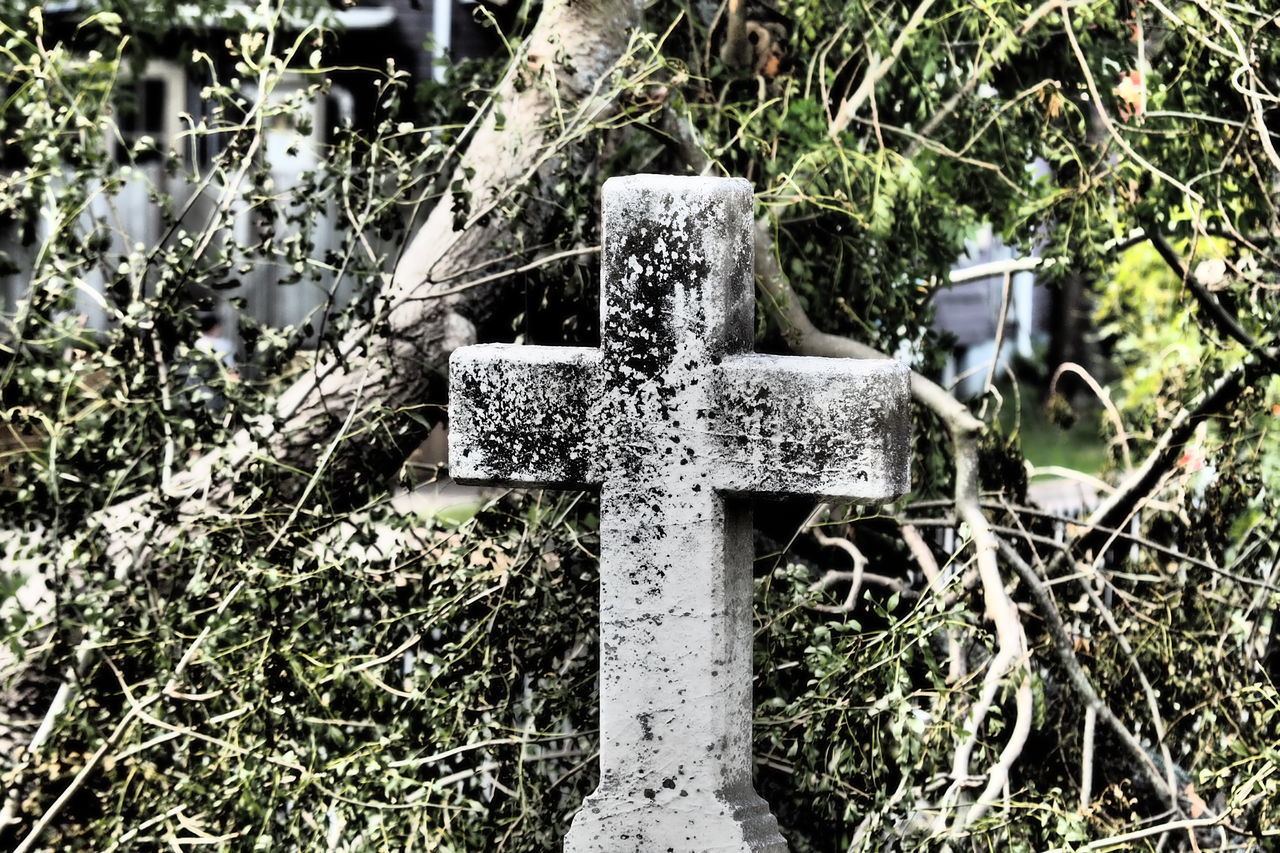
{"x":676,"y":421}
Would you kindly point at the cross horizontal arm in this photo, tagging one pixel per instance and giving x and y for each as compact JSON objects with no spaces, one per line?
{"x":826,"y":427}
{"x":521,"y":415}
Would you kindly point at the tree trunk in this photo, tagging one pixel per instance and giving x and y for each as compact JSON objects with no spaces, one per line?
{"x":1070,"y":336}
{"x":374,"y":395}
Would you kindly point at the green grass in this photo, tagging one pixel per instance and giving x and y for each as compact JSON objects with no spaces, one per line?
{"x":1082,"y":447}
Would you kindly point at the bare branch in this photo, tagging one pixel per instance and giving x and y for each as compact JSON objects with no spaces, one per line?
{"x":855,"y":577}
{"x":1086,"y":756}
{"x":956,"y":663}
{"x":1121,"y":842}
{"x":1011,"y":649}
{"x":1104,"y":398}
{"x":804,"y":338}
{"x":1062,"y":644}
{"x":1006,"y":286}
{"x":1113,"y":511}
{"x":536,"y":263}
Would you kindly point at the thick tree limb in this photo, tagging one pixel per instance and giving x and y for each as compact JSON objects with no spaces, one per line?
{"x":552,"y":92}
{"x":1113,"y":512}
{"x":1212,"y":307}
{"x":382,"y":375}
{"x":806,"y":339}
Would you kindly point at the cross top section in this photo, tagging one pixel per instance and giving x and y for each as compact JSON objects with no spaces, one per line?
{"x":674,"y":383}
{"x":676,"y":286}
{"x":674,"y":418}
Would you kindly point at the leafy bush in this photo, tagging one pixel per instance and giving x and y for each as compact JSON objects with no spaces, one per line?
{"x":214,"y":641}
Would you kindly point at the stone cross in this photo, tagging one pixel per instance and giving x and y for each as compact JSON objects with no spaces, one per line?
{"x":677,"y":421}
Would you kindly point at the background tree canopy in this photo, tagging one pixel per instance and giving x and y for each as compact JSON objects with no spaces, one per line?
{"x":219,"y":629}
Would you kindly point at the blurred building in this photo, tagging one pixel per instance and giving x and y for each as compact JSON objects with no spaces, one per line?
{"x":990,"y":284}
{"x":162,"y":100}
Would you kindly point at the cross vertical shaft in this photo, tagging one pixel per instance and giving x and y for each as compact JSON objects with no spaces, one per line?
{"x":675,"y":554}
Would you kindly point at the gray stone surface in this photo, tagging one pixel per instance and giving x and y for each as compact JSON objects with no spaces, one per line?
{"x":675,"y":420}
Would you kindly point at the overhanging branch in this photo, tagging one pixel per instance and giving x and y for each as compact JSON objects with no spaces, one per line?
{"x":1227,"y":324}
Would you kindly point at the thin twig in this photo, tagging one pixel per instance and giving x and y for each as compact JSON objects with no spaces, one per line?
{"x":1003,"y":318}
{"x":1103,"y":116}
{"x":858,"y":559}
{"x":542,"y":261}
{"x":957,"y":665}
{"x":1122,"y":435}
{"x":55,"y":808}
{"x":876,"y":72}
{"x":1123,"y":840}
{"x":1048,"y":608}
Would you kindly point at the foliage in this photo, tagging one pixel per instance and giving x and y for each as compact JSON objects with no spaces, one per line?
{"x":299,"y":674}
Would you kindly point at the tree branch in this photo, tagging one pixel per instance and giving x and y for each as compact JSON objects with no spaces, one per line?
{"x":1062,"y":645}
{"x":1105,"y":118}
{"x":879,"y":68}
{"x":994,"y":58}
{"x":1116,"y":509}
{"x":923,"y":554}
{"x":859,"y":561}
{"x":804,"y":338}
{"x":1223,"y":320}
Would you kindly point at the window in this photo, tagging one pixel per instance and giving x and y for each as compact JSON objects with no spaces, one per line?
{"x":150,"y":105}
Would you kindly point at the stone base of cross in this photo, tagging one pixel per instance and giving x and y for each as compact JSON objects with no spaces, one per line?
{"x":677,"y":422}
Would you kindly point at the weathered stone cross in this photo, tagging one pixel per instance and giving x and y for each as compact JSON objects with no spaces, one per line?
{"x":676,"y":420}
